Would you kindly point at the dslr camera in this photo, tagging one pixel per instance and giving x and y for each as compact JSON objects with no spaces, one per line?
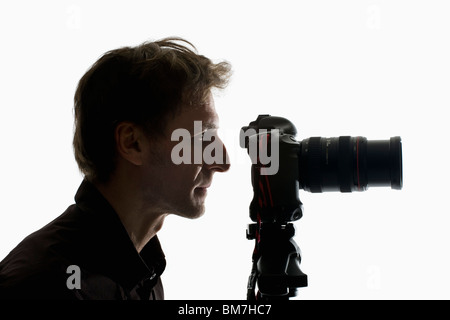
{"x":281,"y":166}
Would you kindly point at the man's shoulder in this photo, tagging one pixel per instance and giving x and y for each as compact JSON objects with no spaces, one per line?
{"x":34,"y":282}
{"x":46,"y":242}
{"x":38,"y":264}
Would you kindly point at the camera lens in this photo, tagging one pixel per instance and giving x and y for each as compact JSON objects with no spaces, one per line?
{"x":349,"y":164}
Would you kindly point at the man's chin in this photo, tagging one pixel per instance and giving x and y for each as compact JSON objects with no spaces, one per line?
{"x":198,"y":213}
{"x":192,"y":212}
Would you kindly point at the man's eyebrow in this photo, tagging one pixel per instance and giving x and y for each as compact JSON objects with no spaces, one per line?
{"x":209,"y":125}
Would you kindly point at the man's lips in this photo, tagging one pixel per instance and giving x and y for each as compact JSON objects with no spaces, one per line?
{"x":202,"y":189}
{"x":204,"y":186}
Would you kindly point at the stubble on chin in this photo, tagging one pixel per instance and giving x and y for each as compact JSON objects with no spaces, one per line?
{"x":195,"y":210}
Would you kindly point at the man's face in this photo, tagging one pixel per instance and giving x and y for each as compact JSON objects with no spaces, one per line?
{"x":181,"y":189}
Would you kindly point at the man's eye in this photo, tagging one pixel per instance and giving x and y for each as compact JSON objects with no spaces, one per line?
{"x":198,"y":140}
{"x":205,"y":137}
{"x":199,"y":137}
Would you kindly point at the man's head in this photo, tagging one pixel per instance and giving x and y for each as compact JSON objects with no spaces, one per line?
{"x":126,"y":108}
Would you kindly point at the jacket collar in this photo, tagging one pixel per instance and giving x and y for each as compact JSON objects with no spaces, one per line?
{"x":109,"y":249}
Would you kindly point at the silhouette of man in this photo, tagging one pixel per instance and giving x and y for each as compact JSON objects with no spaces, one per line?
{"x":127,"y":106}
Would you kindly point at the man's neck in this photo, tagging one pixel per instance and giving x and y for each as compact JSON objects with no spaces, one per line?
{"x":140,"y":222}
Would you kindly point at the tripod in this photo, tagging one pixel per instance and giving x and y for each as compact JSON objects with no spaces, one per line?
{"x":276,"y":262}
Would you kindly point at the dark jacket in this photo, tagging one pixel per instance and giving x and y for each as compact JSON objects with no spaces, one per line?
{"x":85,"y":253}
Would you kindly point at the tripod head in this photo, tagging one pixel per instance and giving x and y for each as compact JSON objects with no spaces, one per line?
{"x":276,"y":262}
{"x":281,"y":165}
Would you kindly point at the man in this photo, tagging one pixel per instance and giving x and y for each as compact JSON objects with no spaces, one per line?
{"x":127,"y":107}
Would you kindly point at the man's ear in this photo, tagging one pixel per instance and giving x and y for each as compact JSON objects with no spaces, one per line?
{"x":129,"y":140}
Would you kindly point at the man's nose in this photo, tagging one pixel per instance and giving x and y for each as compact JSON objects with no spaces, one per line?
{"x":226,"y":163}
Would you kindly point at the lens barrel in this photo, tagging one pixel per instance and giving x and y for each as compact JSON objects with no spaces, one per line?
{"x":348,"y":164}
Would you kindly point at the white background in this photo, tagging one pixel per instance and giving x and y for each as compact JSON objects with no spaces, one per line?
{"x":364,"y":67}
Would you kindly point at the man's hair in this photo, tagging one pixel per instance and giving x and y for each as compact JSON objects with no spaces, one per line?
{"x":147,"y":85}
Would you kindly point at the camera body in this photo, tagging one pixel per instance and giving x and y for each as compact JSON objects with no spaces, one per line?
{"x":275,"y":196}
